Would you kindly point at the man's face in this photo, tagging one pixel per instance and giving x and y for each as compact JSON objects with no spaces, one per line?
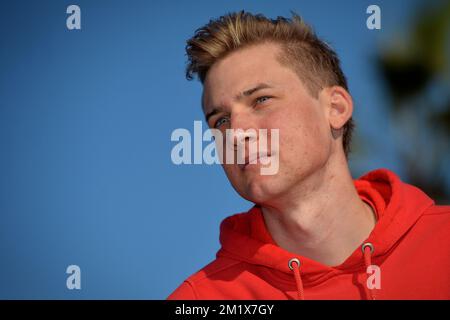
{"x":250,"y":89}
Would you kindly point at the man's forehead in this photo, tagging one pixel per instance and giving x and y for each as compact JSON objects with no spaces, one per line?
{"x":240,"y":71}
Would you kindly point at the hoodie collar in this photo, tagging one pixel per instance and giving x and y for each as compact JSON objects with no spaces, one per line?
{"x":398,"y":206}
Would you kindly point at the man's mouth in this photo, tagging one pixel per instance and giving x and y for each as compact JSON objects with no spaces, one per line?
{"x":254,"y":159}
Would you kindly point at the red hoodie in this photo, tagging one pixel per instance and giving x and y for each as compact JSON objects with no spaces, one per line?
{"x":410,"y":242}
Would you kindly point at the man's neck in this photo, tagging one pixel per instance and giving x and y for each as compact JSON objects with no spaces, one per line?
{"x":324,"y":219}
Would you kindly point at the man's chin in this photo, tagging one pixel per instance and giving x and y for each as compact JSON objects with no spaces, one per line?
{"x":259,"y":190}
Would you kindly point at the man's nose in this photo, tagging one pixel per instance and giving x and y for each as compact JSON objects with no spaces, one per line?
{"x":242,"y":129}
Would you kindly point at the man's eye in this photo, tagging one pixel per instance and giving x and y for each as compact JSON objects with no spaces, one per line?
{"x":262,"y":99}
{"x":221,"y":121}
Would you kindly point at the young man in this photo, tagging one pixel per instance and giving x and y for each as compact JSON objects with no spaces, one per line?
{"x":314,"y":232}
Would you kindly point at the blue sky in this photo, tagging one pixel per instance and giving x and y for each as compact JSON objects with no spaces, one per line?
{"x":85,"y":123}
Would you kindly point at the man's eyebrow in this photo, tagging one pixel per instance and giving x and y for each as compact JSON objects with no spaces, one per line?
{"x":251,"y":91}
{"x":211,"y":113}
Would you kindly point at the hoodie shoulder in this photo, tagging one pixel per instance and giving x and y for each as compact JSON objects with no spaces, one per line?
{"x":215,"y":270}
{"x":438,"y":210}
{"x":434,"y":224}
{"x":219,"y":266}
{"x":184,"y":292}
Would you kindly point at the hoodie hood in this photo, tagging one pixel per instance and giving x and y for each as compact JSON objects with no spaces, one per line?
{"x":398,"y":206}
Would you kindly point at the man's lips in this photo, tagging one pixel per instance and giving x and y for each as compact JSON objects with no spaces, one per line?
{"x":253,"y":159}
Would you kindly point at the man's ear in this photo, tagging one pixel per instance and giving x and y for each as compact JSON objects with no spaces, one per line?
{"x":340,"y":106}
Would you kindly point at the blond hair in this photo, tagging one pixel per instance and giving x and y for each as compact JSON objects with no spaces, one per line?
{"x":314,"y":61}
